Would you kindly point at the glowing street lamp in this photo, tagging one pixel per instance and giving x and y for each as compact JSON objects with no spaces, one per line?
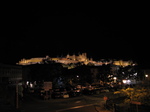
{"x":115,"y":78}
{"x":147,"y":78}
{"x":124,"y":81}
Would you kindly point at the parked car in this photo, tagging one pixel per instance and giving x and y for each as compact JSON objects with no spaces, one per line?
{"x":72,"y":94}
{"x":31,"y":90}
{"x":105,"y":90}
{"x":44,"y":94}
{"x":65,"y":95}
{"x":56,"y":95}
{"x":88,"y":92}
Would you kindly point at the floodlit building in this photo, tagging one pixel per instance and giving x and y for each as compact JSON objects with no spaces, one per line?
{"x":64,"y":60}
{"x":73,"y":59}
{"x":123,"y":63}
{"x":30,"y":61}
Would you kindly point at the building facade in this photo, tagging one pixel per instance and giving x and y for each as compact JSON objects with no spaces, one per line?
{"x":10,"y":73}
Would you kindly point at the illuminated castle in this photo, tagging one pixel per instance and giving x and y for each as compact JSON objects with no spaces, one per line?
{"x":73,"y":59}
{"x":65,"y":60}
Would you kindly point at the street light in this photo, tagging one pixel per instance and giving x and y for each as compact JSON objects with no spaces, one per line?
{"x":115,"y":78}
{"x":124,"y":81}
{"x":147,"y":78}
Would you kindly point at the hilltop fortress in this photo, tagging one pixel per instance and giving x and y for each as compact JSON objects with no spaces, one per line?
{"x":64,"y":60}
{"x":73,"y":59}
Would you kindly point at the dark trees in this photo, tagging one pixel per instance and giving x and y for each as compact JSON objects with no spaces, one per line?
{"x":45,"y":72}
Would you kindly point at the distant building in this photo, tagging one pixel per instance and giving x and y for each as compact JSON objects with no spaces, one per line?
{"x":30,"y":61}
{"x":123,"y":63}
{"x":10,"y":73}
{"x":69,"y":59}
{"x":74,"y":59}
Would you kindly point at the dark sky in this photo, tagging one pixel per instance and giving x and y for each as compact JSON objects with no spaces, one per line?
{"x":39,"y":31}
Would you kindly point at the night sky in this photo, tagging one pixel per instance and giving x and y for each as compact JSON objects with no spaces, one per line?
{"x":109,"y":34}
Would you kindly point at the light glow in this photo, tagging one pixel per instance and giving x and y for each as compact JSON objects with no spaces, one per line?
{"x":146,"y":75}
{"x":126,"y":81}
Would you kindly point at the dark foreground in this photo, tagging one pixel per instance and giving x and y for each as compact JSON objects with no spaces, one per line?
{"x":82,"y":103}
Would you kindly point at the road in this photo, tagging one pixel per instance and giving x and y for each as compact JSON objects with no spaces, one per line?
{"x":76,"y":104}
